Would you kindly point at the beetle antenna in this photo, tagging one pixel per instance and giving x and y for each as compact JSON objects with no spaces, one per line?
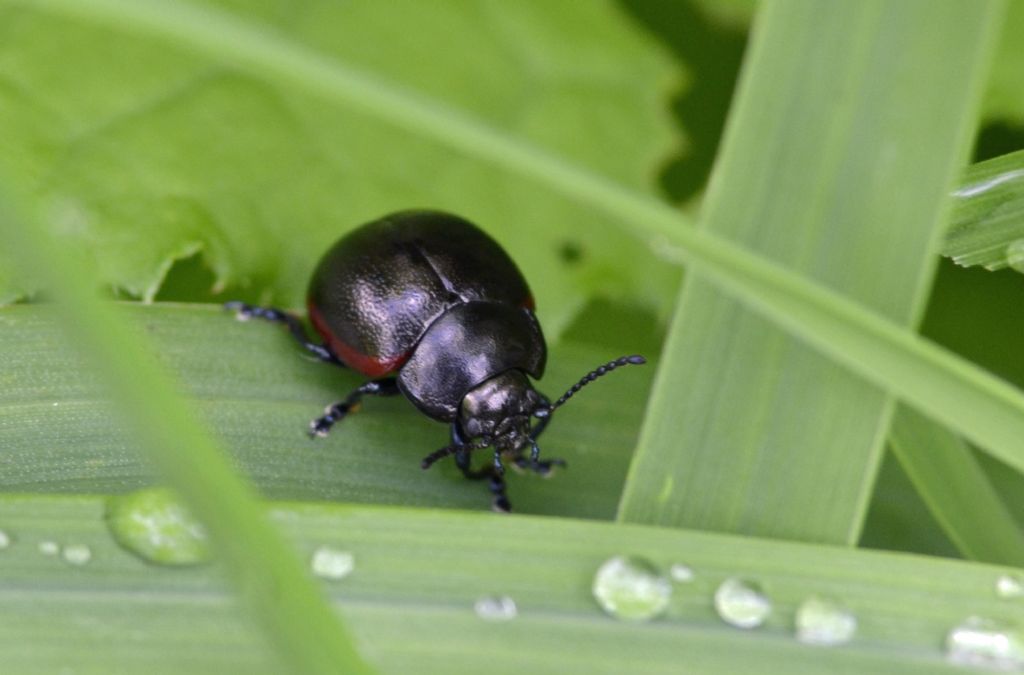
{"x":634,"y":360}
{"x":437,"y":455}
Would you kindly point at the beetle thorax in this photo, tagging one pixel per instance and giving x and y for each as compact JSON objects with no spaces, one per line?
{"x":500,"y":410}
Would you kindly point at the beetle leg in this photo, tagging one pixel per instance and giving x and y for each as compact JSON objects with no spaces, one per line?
{"x":335,"y":412}
{"x":541,"y":467}
{"x":495,"y":481}
{"x":244,"y":312}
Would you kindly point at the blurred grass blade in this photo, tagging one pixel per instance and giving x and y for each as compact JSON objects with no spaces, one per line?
{"x":418,"y":573}
{"x":836,"y":164}
{"x":988,"y":214}
{"x":958,"y":493}
{"x":266,"y":572}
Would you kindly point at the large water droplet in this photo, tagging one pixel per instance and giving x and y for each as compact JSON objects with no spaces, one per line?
{"x":153,"y":525}
{"x":496,"y":608}
{"x":742,"y":603}
{"x":5,"y":539}
{"x":332,"y":563}
{"x":1015,"y":255}
{"x":822,"y":621}
{"x":631,"y":588}
{"x":77,"y":554}
{"x":681,"y":573}
{"x":986,"y":643}
{"x":1010,"y":586}
{"x":48,"y":547}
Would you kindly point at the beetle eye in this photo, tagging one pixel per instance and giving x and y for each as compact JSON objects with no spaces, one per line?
{"x":541,"y":413}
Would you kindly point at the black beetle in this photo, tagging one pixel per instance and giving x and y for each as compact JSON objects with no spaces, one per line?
{"x":431,"y":307}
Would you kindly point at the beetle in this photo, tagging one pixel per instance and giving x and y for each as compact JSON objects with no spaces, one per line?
{"x":429,"y":306}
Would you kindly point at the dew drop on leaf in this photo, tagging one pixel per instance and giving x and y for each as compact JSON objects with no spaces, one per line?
{"x":77,"y":554}
{"x":986,"y":643}
{"x":681,"y":573}
{"x":332,"y":563}
{"x":631,"y":588}
{"x":742,"y":603}
{"x":496,"y":608}
{"x":152,"y":524}
{"x":823,"y":621}
{"x":1010,"y":586}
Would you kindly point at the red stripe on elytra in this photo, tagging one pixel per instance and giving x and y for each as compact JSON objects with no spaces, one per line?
{"x":371,"y":366}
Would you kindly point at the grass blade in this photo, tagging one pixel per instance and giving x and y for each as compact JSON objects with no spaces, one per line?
{"x":956,"y":490}
{"x":259,"y":391}
{"x":418,"y":573}
{"x":266,"y":572}
{"x":766,"y":437}
{"x":988,"y":213}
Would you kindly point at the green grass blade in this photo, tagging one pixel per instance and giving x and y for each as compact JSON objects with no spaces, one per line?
{"x":748,"y":430}
{"x":258,"y":390}
{"x":418,"y":573}
{"x":956,"y":490}
{"x":258,"y":560}
{"x":988,"y":213}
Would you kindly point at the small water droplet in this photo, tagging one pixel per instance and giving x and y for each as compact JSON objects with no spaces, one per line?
{"x":49,"y":547}
{"x":5,"y":539}
{"x":986,"y":643}
{"x":681,"y":573}
{"x":332,"y":563}
{"x":631,"y":588}
{"x":77,"y":554}
{"x":823,"y":621}
{"x":1015,"y":255}
{"x":1010,"y":586}
{"x":496,"y":608}
{"x":742,"y":603}
{"x":152,"y":524}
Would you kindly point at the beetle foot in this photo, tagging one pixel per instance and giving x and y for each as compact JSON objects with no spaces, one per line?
{"x":320,"y":427}
{"x":543,"y":468}
{"x":501,"y":504}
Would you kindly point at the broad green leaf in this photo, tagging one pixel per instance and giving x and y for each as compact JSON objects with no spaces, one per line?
{"x":418,"y":573}
{"x":956,"y":489}
{"x":149,"y":151}
{"x":835,"y":163}
{"x":293,"y":615}
{"x":258,"y":391}
{"x":988,"y":215}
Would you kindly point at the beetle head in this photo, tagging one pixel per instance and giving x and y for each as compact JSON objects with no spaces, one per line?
{"x":498,"y":413}
{"x":500,"y":410}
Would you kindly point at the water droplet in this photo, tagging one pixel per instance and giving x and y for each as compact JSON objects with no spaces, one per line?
{"x":1015,"y":255}
{"x":49,"y":547}
{"x":631,"y":588}
{"x":742,"y":603}
{"x":681,"y":573}
{"x":986,"y":643}
{"x":1010,"y":586}
{"x":77,"y":554}
{"x":331,"y":563}
{"x":496,"y":608}
{"x":822,"y":621}
{"x":5,"y":539}
{"x":153,"y":525}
